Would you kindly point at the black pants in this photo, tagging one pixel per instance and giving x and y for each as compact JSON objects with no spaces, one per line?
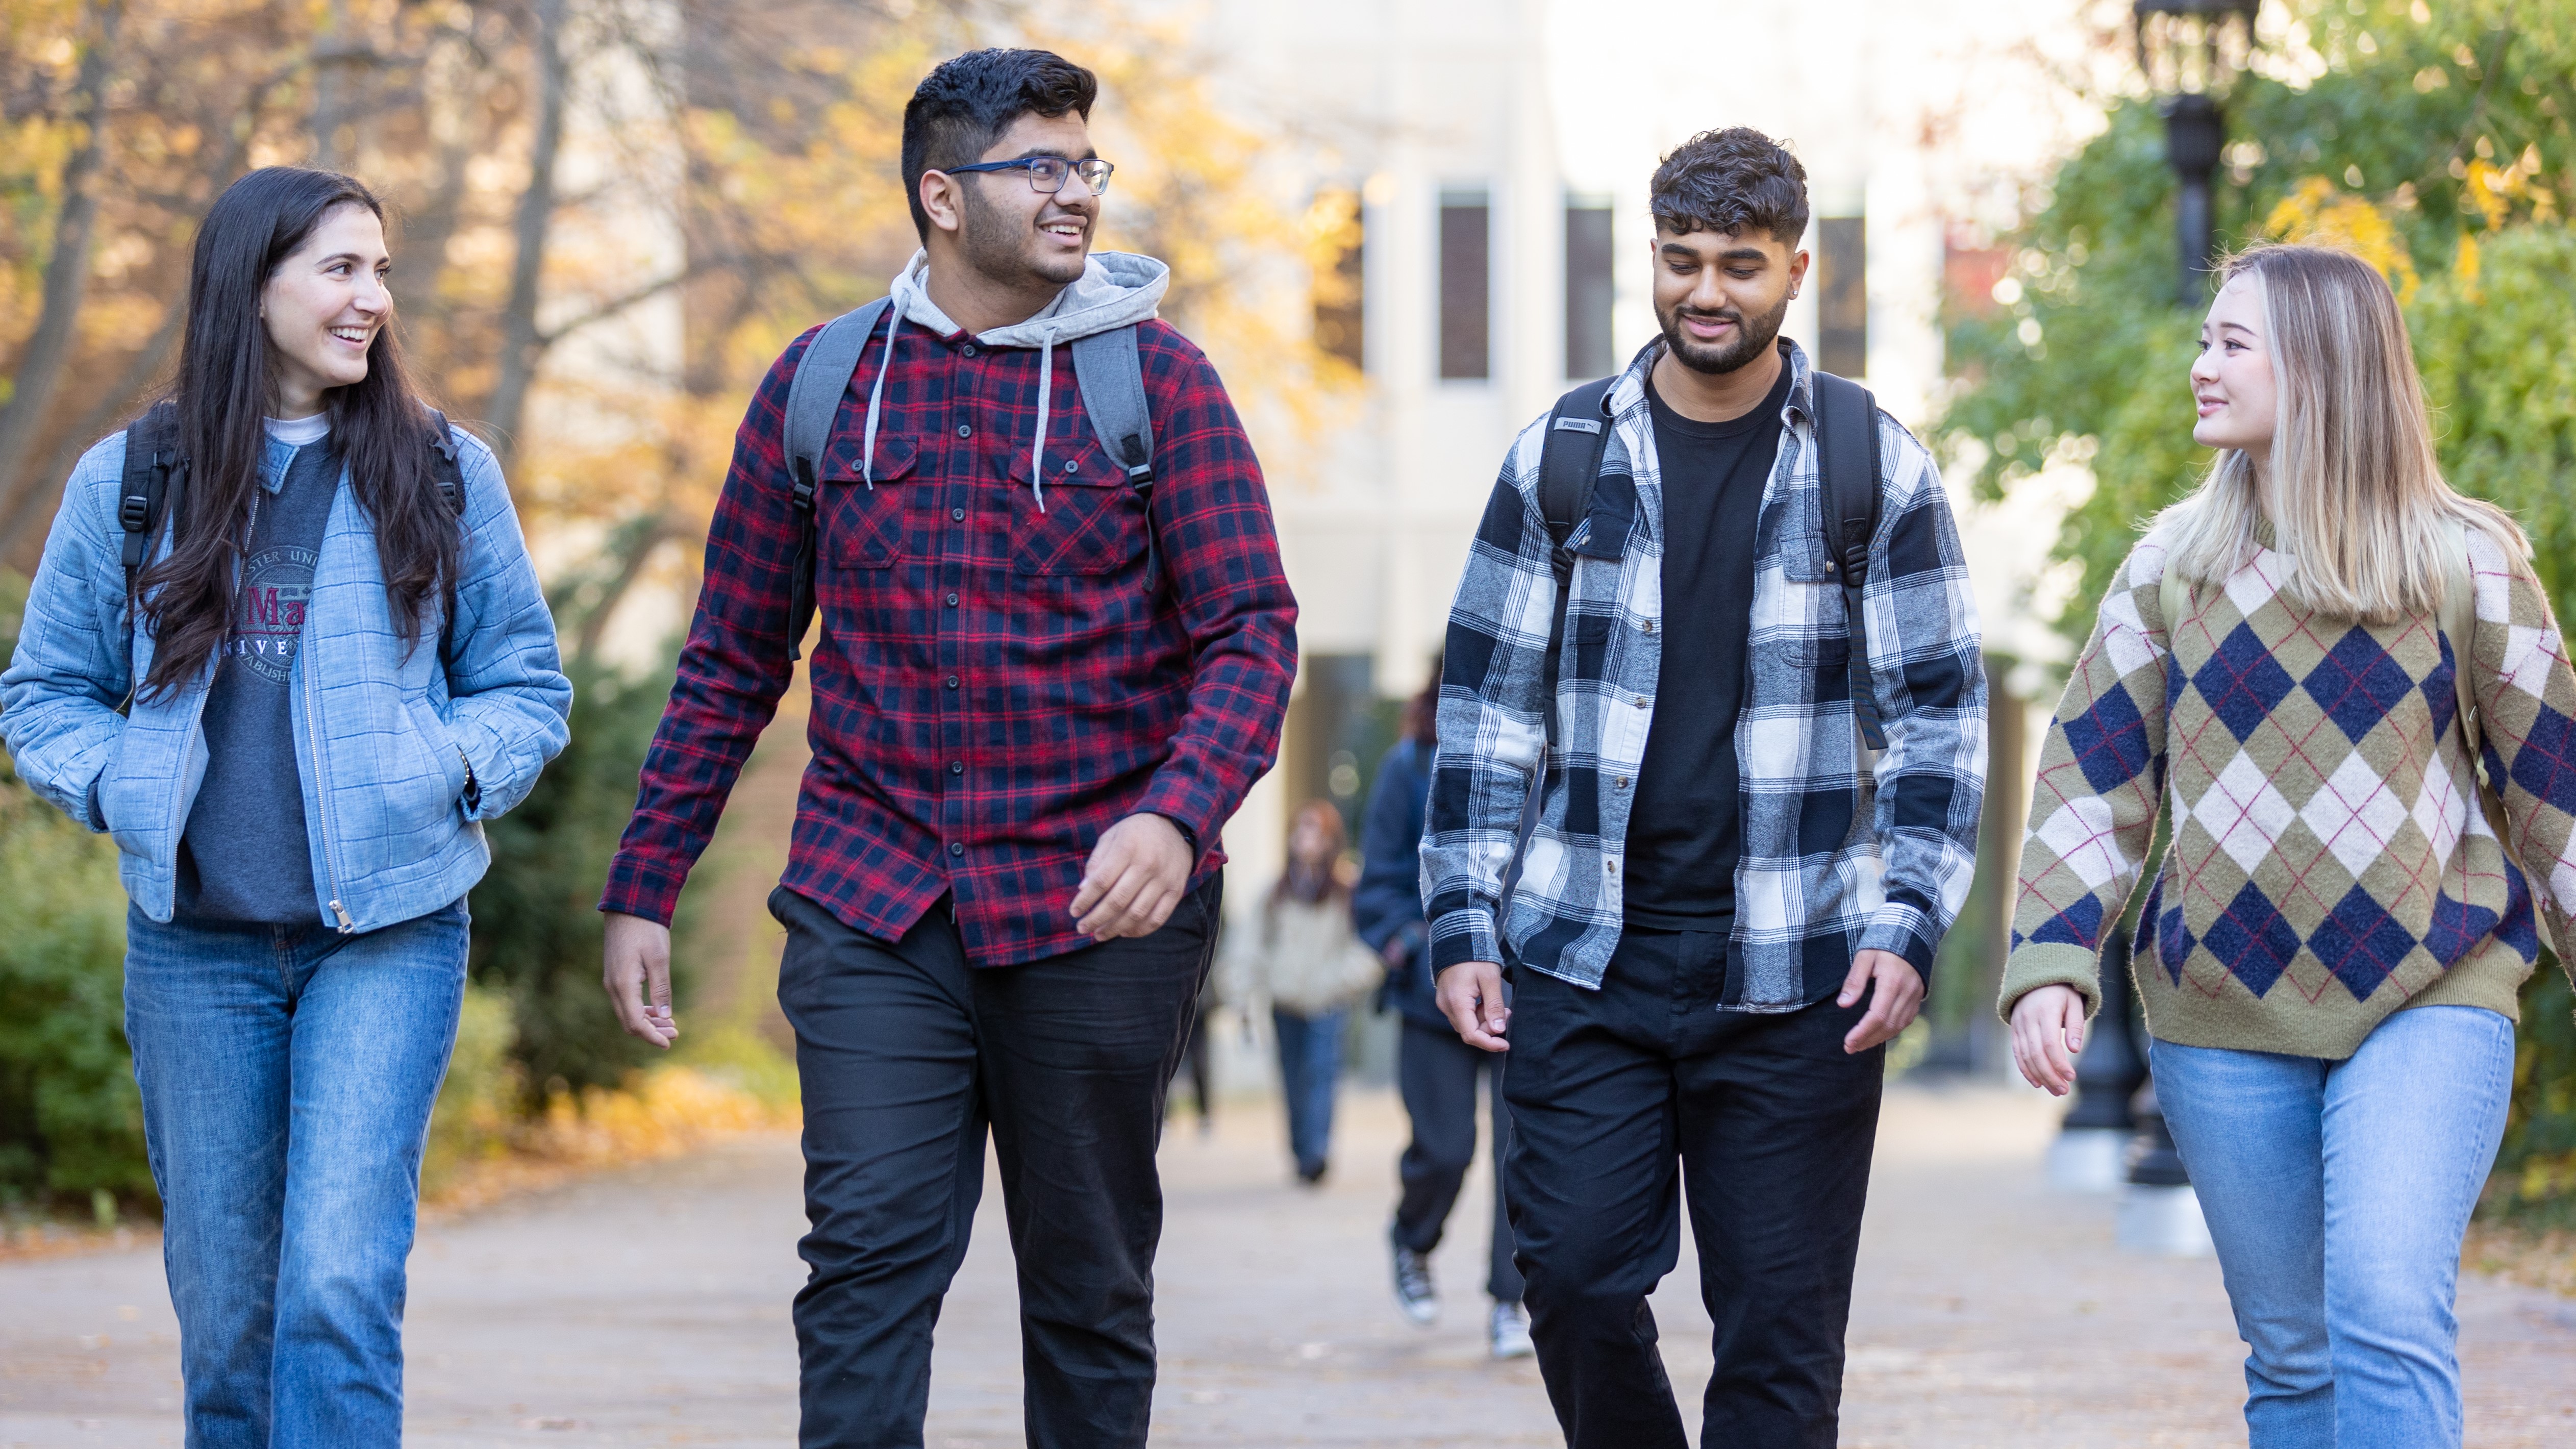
{"x":1436,"y":1073}
{"x":908,"y":1056}
{"x":1770,"y":1125}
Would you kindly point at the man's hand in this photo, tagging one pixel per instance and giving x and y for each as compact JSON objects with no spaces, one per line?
{"x":1135,"y":877}
{"x":636,"y":969}
{"x":1470,"y":994}
{"x":2048,"y":1034}
{"x":1897,"y":995}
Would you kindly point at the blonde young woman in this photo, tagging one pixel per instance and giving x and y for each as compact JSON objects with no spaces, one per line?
{"x":2331,"y":955}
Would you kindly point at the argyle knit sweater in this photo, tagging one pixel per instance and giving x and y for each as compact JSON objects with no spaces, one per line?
{"x":2329,"y":861}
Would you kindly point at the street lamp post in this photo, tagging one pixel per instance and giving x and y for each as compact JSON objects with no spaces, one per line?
{"x":2191,"y":50}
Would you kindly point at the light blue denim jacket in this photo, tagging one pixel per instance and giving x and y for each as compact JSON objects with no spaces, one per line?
{"x":383,"y":734}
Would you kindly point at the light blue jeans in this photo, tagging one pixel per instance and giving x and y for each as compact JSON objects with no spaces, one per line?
{"x":2337,"y":1193}
{"x":287,"y":1075}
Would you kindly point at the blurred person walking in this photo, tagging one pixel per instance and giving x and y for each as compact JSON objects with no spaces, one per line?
{"x":1727,"y":903}
{"x":1302,"y":956}
{"x":1056,"y":649}
{"x":1435,"y":1072}
{"x":286,"y":648}
{"x":2346,"y":682}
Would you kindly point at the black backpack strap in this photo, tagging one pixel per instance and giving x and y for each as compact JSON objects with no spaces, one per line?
{"x":445,"y":465}
{"x":1111,"y":373}
{"x":155,"y":473}
{"x":1578,"y":432}
{"x":813,"y":401}
{"x":1847,"y":444}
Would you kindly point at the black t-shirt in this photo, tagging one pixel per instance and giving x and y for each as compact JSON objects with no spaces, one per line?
{"x":1686,"y":828}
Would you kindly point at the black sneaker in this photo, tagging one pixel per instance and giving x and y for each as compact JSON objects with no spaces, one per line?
{"x":1413,"y":1291}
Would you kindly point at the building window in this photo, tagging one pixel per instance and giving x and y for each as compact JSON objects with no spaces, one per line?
{"x":1588,"y":291}
{"x":1335,"y":236}
{"x":1842,"y":299}
{"x":1466,"y":284}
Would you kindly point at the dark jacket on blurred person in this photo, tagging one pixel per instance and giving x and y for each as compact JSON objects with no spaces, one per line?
{"x":1387,"y":904}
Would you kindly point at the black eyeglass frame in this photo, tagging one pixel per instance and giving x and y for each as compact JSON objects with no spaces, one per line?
{"x":1035,"y":166}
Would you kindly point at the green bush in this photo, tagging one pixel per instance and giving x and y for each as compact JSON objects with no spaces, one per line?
{"x":479,"y":1102}
{"x":71,"y":1121}
{"x":536,"y":917}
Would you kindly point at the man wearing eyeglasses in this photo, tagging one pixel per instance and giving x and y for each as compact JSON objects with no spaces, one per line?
{"x":1045,"y":677}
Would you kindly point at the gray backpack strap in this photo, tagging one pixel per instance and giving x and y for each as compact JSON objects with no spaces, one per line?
{"x":1112,"y":378}
{"x":813,"y":401}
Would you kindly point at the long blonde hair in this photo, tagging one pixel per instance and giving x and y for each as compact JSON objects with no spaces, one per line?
{"x":2357,"y":496}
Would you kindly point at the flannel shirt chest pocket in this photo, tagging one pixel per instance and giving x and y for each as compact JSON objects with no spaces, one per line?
{"x":1806,"y":621}
{"x":863,"y":526}
{"x":1092,"y":521}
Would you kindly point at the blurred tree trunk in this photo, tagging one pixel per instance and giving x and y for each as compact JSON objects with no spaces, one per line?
{"x":522,"y":348}
{"x":40,"y":365}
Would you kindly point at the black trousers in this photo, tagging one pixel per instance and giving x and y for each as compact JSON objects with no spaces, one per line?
{"x":908,"y":1056}
{"x":1436,"y":1074}
{"x":1622,"y":1095}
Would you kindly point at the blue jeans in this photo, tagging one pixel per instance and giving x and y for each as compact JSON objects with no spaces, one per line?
{"x":287,"y":1076}
{"x":1310,"y":1062}
{"x":2337,"y":1193}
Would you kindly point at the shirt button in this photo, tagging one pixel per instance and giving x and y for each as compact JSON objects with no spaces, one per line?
{"x":956,"y":848}
{"x":1648,"y":626}
{"x":952,"y":681}
{"x":957,"y":514}
{"x":969,"y":349}
{"x":1609,"y":864}
{"x":1623,"y":782}
{"x":957,"y":767}
{"x":964,"y":431}
{"x":1639,"y":701}
{"x":952,"y":601}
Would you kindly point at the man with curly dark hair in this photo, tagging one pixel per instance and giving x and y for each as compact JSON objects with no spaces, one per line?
{"x":1731,"y":898}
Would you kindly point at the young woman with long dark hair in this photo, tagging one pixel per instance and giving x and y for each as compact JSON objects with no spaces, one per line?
{"x":292,"y":692}
{"x":2344,"y":681}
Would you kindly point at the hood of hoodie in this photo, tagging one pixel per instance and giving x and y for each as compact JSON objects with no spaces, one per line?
{"x":1116,"y":289}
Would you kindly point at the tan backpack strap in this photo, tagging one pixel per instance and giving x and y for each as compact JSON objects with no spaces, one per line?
{"x":2459,"y":624}
{"x":2173,"y":599}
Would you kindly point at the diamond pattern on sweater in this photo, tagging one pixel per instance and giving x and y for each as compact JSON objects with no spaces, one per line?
{"x":2109,"y":740}
{"x":2530,"y":656}
{"x":2081,"y":834}
{"x":2360,"y":942}
{"x":2441,"y":688}
{"x":2243,"y":812}
{"x":2546,"y":763}
{"x":2242,"y":681}
{"x":2079,"y":926}
{"x":2441,"y":814}
{"x":2259,"y":582}
{"x":2252,"y":940}
{"x":2354,"y":813}
{"x":2357,"y":684}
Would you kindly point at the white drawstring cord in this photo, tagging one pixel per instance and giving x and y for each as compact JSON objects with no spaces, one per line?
{"x":1037,"y":449}
{"x":876,"y":393}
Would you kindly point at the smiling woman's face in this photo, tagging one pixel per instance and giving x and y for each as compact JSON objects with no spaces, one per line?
{"x":323,"y":307}
{"x":2231,"y":380}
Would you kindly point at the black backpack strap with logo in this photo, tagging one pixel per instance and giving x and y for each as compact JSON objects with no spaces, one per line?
{"x":156,"y":472}
{"x":445,"y":465}
{"x":813,"y":401}
{"x":1578,"y":433}
{"x":1847,"y":445}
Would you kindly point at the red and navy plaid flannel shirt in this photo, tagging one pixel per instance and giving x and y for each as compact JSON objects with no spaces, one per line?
{"x":996,"y":684}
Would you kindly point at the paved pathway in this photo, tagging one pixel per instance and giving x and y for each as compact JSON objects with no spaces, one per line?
{"x":650,"y":1307}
